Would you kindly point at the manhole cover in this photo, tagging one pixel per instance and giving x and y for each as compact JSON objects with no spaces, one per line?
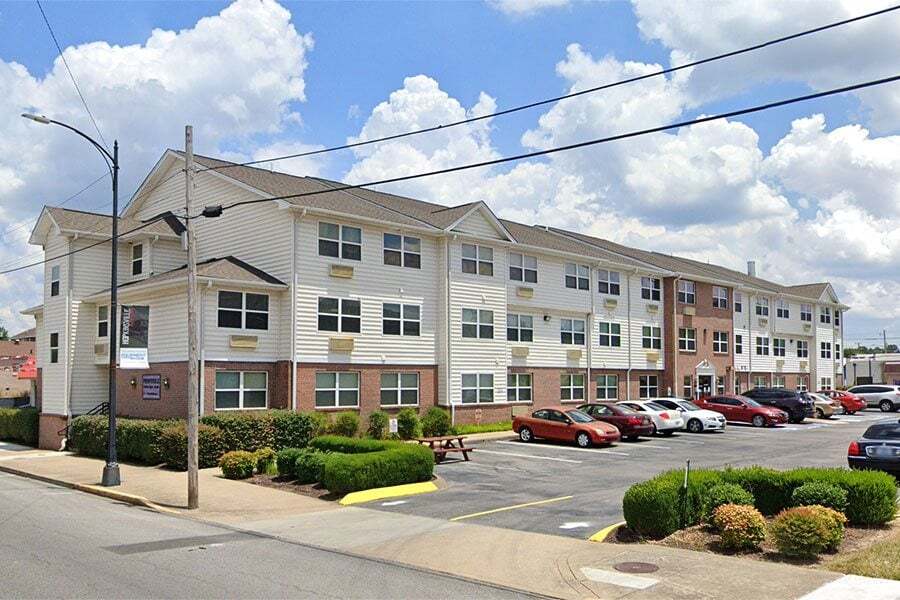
{"x":636,"y":567}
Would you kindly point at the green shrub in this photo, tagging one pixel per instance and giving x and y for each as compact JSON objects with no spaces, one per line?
{"x":771,"y":489}
{"x":335,"y":443}
{"x":436,"y":422}
{"x":19,"y":425}
{"x":482,"y":427}
{"x":265,"y":461}
{"x":294,"y":429}
{"x":741,"y":527}
{"x":309,"y":465}
{"x":346,"y":424}
{"x":408,"y":424}
{"x":173,"y":446}
{"x":378,"y":425}
{"x":88,"y":435}
{"x":237,"y":464}
{"x":822,"y":494}
{"x":650,"y":508}
{"x":807,"y":531}
{"x":285,"y":459}
{"x":248,"y":431}
{"x":395,"y":465}
{"x":137,"y":440}
{"x":321,"y":423}
{"x":725,"y":493}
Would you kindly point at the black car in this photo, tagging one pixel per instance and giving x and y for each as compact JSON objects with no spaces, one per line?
{"x":789,"y":401}
{"x":878,"y":449}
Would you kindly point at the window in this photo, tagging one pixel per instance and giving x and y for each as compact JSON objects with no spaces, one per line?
{"x":738,"y":344}
{"x":778,"y":382}
{"x":783,"y":310}
{"x":571,"y":331}
{"x":720,"y":297}
{"x":687,"y":291}
{"x":687,"y":339}
{"x":608,"y":282}
{"x":651,"y":337}
{"x":801,"y":384}
{"x":399,"y":389}
{"x":54,"y":347}
{"x":687,"y":387}
{"x":778,"y":346}
{"x":518,"y":387}
{"x":802,"y":349}
{"x":837,"y":317}
{"x":825,"y":383}
{"x":402,"y":251}
{"x":340,"y":241}
{"x":339,"y":314}
{"x":648,"y":386}
{"x":825,"y":315}
{"x":239,"y":310}
{"x":737,"y":385}
{"x":738,"y":302}
{"x":241,"y":390}
{"x":477,"y":260}
{"x":825,"y":350}
{"x":650,"y":288}
{"x":806,"y":312}
{"x":102,"y":321}
{"x":607,"y":387}
{"x":137,"y":259}
{"x":762,"y":306}
{"x":477,"y":323}
{"x":578,"y":276}
{"x":610,"y":334}
{"x":519,"y":328}
{"x":522,"y":267}
{"x":571,"y":387}
{"x":760,"y":381}
{"x":720,"y":385}
{"x":720,"y":342}
{"x":762,"y":346}
{"x":54,"y":280}
{"x":837,"y":350}
{"x":477,"y":388}
{"x":400,"y":319}
{"x":337,"y":389}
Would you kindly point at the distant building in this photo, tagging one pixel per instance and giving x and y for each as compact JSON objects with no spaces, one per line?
{"x":29,"y":335}
{"x":873,"y":368}
{"x":13,"y":355}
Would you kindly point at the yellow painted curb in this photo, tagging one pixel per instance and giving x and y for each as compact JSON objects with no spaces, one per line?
{"x":604,"y":533}
{"x":394,"y":491}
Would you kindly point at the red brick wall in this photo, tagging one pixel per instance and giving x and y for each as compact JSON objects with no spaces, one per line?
{"x":48,"y":431}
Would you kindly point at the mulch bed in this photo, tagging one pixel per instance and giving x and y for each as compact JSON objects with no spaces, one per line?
{"x":287,"y":484}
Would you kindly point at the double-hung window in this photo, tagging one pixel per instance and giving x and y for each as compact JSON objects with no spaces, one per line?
{"x":778,"y":381}
{"x":137,"y":259}
{"x":518,"y":387}
{"x":720,"y":384}
{"x":571,"y":387}
{"x":241,"y":390}
{"x":801,"y":384}
{"x":760,"y":381}
{"x":825,"y":315}
{"x":399,"y":389}
{"x":339,"y":314}
{"x":610,"y":334}
{"x":687,"y":386}
{"x":607,"y":387}
{"x":651,"y":337}
{"x":578,"y":276}
{"x":477,"y":260}
{"x":239,"y":310}
{"x":687,"y":339}
{"x":825,"y":350}
{"x":102,"y":321}
{"x":720,"y":342}
{"x":837,"y":317}
{"x":340,"y":241}
{"x":648,"y":386}
{"x":477,"y":388}
{"x":762,"y":306}
{"x":806,"y":312}
{"x":337,"y":389}
{"x":762,"y":346}
{"x":477,"y":323}
{"x":519,"y":328}
{"x":54,"y":280}
{"x":571,"y":331}
{"x":837,"y":350}
{"x":720,"y":297}
{"x":609,"y":282}
{"x":400,"y":319}
{"x":738,"y":343}
{"x":54,"y":347}
{"x":782,"y":309}
{"x":522,"y":267}
{"x":687,"y":291}
{"x":802,"y":349}
{"x":402,"y":251}
{"x":738,"y":302}
{"x":779,"y":346}
{"x":825,"y":383}
{"x":650,"y":288}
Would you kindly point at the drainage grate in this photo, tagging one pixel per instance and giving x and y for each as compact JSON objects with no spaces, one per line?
{"x":635,"y":567}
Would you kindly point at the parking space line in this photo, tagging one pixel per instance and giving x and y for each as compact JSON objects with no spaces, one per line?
{"x":591,"y":450}
{"x":566,"y":460}
{"x":513,"y":507}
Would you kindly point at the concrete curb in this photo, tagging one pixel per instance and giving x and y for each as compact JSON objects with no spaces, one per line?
{"x":491,"y":435}
{"x":394,"y":491}
{"x":604,"y":533}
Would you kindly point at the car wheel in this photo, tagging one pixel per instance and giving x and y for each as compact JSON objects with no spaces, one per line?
{"x":886,"y":406}
{"x":759,"y":421}
{"x":695,"y":426}
{"x":820,"y":414}
{"x":583,"y":440}
{"x":525,"y":435}
{"x":653,"y":430}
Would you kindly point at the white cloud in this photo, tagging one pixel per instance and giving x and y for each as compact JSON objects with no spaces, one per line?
{"x":525,"y":8}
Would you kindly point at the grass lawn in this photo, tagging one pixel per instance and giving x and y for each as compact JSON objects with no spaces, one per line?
{"x":483,"y":427}
{"x":882,"y":559}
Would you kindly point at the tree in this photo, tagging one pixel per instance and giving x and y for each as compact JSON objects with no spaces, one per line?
{"x":4,"y":335}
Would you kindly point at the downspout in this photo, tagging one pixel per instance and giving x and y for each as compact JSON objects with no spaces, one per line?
{"x":70,"y":268}
{"x":447,"y":332}
{"x":294,"y":223}
{"x":751,"y":343}
{"x":628,"y":327}
{"x":589,"y":329}
{"x":674,"y":340}
{"x":202,"y":341}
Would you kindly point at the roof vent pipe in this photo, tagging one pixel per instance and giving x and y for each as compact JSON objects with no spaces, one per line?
{"x":751,"y":268}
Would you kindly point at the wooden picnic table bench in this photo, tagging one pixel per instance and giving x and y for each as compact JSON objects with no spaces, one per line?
{"x":441,"y":445}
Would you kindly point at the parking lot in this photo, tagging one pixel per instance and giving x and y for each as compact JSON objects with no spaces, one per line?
{"x":564,"y":490}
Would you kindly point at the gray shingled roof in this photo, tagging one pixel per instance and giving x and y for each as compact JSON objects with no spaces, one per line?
{"x":100,"y":224}
{"x":809,"y":290}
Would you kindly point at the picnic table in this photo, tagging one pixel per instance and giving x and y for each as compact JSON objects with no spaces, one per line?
{"x":441,"y":445}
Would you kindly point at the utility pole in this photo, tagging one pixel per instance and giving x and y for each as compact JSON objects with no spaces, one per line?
{"x":193,"y":420}
{"x":884,"y":337}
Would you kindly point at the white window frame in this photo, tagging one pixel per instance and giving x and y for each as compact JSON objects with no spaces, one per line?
{"x":779,"y":347}
{"x":568,"y":387}
{"x":340,"y":241}
{"x":825,"y":383}
{"x":651,"y":337}
{"x":825,"y":315}
{"x":341,"y":315}
{"x":523,"y":267}
{"x":782,"y":309}
{"x":101,"y":320}
{"x":612,"y":334}
{"x":579,"y":276}
{"x":801,"y":384}
{"x":802,"y":349}
{"x":806,"y":312}
{"x":687,"y":339}
{"x":687,"y":386}
{"x":405,"y":318}
{"x":54,"y":348}
{"x":607,"y":387}
{"x":609,"y":282}
{"x":720,"y":296}
{"x":137,"y":259}
{"x":515,"y":388}
{"x":480,"y":258}
{"x":241,"y":389}
{"x":398,"y":388}
{"x":483,"y":388}
{"x":760,"y":381}
{"x":779,"y":382}
{"x":339,"y":386}
{"x":762,"y":345}
{"x":408,"y":256}
{"x":720,"y":342}
{"x":762,"y":306}
{"x":837,"y":317}
{"x":571,"y":327}
{"x":54,"y":280}
{"x":646,"y":385}
{"x":243,"y":310}
{"x":687,"y":291}
{"x":720,"y":384}
{"x":520,"y":325}
{"x":484,"y":320}
{"x":837,"y":351}
{"x":825,"y":350}
{"x":738,"y":343}
{"x":651,"y":289}
{"x":738,"y":302}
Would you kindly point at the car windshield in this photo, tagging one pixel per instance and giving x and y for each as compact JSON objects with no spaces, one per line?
{"x":883,"y":431}
{"x":578,"y":416}
{"x":751,"y":402}
{"x":655,"y":406}
{"x":626,"y":409}
{"x":687,"y":405}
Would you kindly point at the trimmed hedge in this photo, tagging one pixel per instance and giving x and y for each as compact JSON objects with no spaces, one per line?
{"x":237,"y":464}
{"x":725,"y":493}
{"x":346,"y":423}
{"x":822,"y":494}
{"x":309,"y":466}
{"x":252,"y":430}
{"x":137,"y":440}
{"x":285,"y":460}
{"x":173,"y":445}
{"x":265,"y":461}
{"x":358,"y":464}
{"x":19,"y":425}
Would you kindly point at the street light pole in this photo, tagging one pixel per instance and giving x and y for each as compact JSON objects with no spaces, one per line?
{"x":111,"y":476}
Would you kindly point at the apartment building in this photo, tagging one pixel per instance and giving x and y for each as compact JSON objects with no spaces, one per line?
{"x":362,"y":300}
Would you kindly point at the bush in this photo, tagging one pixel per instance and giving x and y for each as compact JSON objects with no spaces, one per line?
{"x":19,"y":425}
{"x":237,"y":464}
{"x":173,"y":446}
{"x":807,"y":531}
{"x":285,"y":459}
{"x":265,"y":461}
{"x":88,"y":435}
{"x":741,"y":527}
{"x":346,"y":424}
{"x":822,"y":494}
{"x":294,"y":429}
{"x":248,"y":431}
{"x":650,"y":508}
{"x":320,"y":423}
{"x":408,"y":424}
{"x":309,"y":466}
{"x":482,"y":427}
{"x":771,"y":489}
{"x":137,"y":440}
{"x":336,"y":443}
{"x":725,"y":493}
{"x":378,"y":425}
{"x":436,"y":422}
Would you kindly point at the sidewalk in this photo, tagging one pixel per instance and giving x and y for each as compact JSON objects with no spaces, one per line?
{"x":540,"y":564}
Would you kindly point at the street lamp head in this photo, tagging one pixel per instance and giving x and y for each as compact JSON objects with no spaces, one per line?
{"x":37,"y":118}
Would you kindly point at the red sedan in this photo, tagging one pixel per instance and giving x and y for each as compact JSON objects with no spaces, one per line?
{"x":564,"y":425}
{"x":849,"y":402}
{"x":630,"y":423}
{"x":743,"y":410}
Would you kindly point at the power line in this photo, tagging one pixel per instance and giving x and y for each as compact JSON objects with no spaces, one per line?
{"x":64,"y":202}
{"x":71,"y":76}
{"x":598,"y":88}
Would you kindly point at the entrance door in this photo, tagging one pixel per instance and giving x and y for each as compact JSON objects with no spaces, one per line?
{"x":705,"y":383}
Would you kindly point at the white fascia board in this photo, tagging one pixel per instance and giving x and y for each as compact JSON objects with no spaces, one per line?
{"x":486,"y":210}
{"x":389,"y":225}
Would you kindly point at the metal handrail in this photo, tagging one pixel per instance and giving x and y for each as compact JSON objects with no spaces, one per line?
{"x":100,"y":409}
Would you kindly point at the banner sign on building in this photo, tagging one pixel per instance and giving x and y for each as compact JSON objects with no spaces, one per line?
{"x":134,"y":337}
{"x":150,"y":387}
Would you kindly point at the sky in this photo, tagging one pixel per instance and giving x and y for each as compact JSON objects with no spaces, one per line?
{"x":810,"y":191}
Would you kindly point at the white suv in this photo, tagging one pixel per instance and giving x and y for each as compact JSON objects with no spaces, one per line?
{"x":885,"y":397}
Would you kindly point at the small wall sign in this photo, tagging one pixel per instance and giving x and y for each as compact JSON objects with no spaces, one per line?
{"x":150,"y":387}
